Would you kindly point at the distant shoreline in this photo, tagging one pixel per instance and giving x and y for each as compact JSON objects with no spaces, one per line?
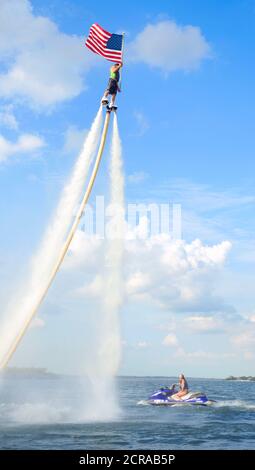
{"x":29,"y":371}
{"x":44,"y":372}
{"x":242,"y":378}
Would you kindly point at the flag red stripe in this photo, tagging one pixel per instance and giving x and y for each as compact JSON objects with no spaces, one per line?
{"x":90,"y":47}
{"x":98,"y":39}
{"x":95,"y":34}
{"x":100,"y":33}
{"x":108,"y":57}
{"x":97,"y":42}
{"x":109,"y":54}
{"x":103,"y":50}
{"x":102,"y":29}
{"x":111,"y":59}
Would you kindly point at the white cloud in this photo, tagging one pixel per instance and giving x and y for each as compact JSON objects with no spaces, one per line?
{"x":181,"y":255}
{"x":7,"y":117}
{"x":137,"y":177}
{"x":203,"y":354}
{"x":84,"y":250}
{"x":93,"y":288}
{"x":26,"y":143}
{"x":137,"y":283}
{"x":170,"y":340}
{"x":245,"y":338}
{"x":175,"y":276}
{"x":142,"y":123}
{"x":199,"y":323}
{"x":169,"y":46}
{"x":74,"y":139}
{"x":248,"y":355}
{"x":170,"y":325}
{"x":142,"y":344}
{"x":42,"y":65}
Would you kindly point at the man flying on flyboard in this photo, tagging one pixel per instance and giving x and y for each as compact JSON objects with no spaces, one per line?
{"x":109,"y":46}
{"x":112,"y":88}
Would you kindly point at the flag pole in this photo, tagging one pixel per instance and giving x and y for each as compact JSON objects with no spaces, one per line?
{"x":122,"y":54}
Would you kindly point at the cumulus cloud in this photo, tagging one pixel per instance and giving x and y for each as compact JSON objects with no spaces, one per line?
{"x":142,"y":345}
{"x":44,"y":66}
{"x":203,"y":324}
{"x":175,"y":275}
{"x":7,"y":117}
{"x":245,"y":338}
{"x":252,"y":318}
{"x":139,"y":281}
{"x":248,"y":355}
{"x":26,"y":143}
{"x":170,"y":340}
{"x":169,"y":46}
{"x":200,"y":355}
{"x":83,"y":250}
{"x":93,"y":288}
{"x":40,"y":63}
{"x":170,"y":274}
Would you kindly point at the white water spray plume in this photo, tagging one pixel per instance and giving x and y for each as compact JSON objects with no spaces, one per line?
{"x":110,"y":344}
{"x":20,"y":310}
{"x":106,"y":360}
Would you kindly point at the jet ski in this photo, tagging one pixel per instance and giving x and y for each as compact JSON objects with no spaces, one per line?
{"x":163,"y":396}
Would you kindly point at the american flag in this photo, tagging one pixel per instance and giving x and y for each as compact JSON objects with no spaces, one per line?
{"x":106,"y":44}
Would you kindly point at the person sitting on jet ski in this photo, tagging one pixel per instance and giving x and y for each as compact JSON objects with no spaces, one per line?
{"x":113,"y":84}
{"x":184,"y":388}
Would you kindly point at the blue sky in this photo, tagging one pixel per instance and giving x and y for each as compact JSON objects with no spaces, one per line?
{"x":187,"y":128}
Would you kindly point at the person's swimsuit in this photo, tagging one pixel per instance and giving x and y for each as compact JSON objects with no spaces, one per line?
{"x":112,"y":87}
{"x":185,"y":386}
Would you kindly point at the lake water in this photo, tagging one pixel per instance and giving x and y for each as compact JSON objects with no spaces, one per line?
{"x":56,"y":412}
